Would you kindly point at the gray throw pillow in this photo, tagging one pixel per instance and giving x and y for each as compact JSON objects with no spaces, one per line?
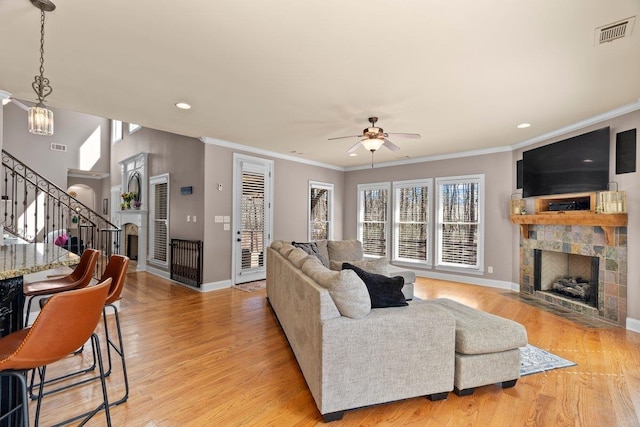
{"x":347,"y":290}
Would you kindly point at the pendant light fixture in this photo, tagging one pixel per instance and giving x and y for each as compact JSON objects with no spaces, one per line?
{"x":40,"y":117}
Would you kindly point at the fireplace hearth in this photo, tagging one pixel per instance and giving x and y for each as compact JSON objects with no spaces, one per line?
{"x":604,"y":266}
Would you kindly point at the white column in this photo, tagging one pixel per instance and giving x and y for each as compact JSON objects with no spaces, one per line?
{"x":4,"y":99}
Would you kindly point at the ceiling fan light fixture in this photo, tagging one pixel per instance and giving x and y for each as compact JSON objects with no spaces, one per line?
{"x":372,"y":144}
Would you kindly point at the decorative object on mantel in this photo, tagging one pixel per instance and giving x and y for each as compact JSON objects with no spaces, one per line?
{"x":127,"y":197}
{"x":543,"y":216}
{"x":610,"y":202}
{"x":518,"y":204}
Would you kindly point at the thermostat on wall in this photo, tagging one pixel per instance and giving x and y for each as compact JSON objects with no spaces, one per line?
{"x":186,"y":190}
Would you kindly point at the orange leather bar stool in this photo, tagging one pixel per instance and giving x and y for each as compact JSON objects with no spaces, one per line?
{"x":77,"y":313}
{"x":116,"y":270}
{"x":79,"y":278}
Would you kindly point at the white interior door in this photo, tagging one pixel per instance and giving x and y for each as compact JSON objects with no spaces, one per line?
{"x":252,"y":217}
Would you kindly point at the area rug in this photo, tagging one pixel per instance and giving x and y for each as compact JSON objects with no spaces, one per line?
{"x":252,"y":286}
{"x":534,"y":360}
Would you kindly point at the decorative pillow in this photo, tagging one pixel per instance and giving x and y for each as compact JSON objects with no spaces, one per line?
{"x":309,"y":247}
{"x":347,"y":250}
{"x":323,"y":252}
{"x":384,"y":291}
{"x":347,"y":290}
{"x":276,"y":244}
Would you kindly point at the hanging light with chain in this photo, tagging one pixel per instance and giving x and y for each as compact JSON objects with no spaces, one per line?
{"x":40,"y":117}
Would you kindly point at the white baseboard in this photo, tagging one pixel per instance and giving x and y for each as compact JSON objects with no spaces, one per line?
{"x":205,"y":287}
{"x":214,"y":286}
{"x":633,"y":324}
{"x":469,"y":280}
{"x":156,"y":271}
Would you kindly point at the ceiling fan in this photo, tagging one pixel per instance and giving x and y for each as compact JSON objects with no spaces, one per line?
{"x":374,"y":137}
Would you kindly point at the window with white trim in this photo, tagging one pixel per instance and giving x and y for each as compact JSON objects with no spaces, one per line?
{"x":159,"y":220}
{"x":459,"y":223}
{"x":411,"y":213}
{"x":320,"y":211}
{"x":116,"y":131}
{"x":373,"y":218}
{"x":133,"y":127}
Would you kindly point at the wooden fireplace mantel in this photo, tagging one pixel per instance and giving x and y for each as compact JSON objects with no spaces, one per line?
{"x":608,"y":222}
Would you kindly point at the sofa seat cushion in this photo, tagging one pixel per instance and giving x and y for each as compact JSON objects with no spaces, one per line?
{"x":348,"y":291}
{"x":384,"y":291}
{"x":478,"y":332}
{"x":408,"y":275}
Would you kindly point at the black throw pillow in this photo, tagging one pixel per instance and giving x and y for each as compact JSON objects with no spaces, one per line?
{"x":384,"y":291}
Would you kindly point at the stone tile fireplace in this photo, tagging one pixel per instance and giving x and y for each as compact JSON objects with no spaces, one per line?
{"x":610,"y":262}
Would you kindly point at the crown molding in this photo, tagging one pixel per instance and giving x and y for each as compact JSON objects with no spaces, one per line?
{"x":617,"y":112}
{"x":263,"y":152}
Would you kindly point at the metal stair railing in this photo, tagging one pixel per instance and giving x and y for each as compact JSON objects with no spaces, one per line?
{"x":31,"y":207}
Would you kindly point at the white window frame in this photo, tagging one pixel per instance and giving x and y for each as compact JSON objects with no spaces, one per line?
{"x":398,"y":185}
{"x":134,"y":127}
{"x":116,"y":131}
{"x":153,"y":181}
{"x":478,"y":268}
{"x":374,"y":186}
{"x":321,"y":186}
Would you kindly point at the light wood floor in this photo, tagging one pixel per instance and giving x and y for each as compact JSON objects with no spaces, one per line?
{"x":220,"y":359}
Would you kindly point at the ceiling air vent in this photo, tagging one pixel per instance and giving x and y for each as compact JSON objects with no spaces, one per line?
{"x":58,"y":147}
{"x":617,"y":30}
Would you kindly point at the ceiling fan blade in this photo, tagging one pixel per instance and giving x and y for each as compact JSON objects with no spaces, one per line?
{"x":354,"y":148}
{"x":390,"y":145}
{"x":405,"y":135}
{"x":343,"y":137}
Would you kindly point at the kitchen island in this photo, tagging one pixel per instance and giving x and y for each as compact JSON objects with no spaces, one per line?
{"x":16,"y":261}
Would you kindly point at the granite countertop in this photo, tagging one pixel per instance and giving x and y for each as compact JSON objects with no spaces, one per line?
{"x":18,"y":260}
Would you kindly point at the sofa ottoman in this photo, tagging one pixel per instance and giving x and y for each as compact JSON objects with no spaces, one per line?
{"x":487,"y":348}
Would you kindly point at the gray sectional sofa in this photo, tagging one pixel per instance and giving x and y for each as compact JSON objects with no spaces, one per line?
{"x":353,"y":356}
{"x":374,"y":356}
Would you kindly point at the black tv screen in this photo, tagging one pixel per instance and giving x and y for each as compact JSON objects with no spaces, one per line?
{"x":575,"y":165}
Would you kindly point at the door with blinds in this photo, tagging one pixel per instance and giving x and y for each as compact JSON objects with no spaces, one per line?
{"x":159,"y":220}
{"x":252,"y":217}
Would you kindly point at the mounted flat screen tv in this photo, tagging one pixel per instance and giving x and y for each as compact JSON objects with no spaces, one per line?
{"x":575,"y":165}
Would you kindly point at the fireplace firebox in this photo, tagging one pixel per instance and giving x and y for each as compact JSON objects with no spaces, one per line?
{"x":570,"y":276}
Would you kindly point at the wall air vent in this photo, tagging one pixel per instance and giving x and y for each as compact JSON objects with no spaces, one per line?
{"x":614,"y":31}
{"x":58,"y":147}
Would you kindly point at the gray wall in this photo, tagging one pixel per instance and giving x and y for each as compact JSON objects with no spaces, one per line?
{"x":290,"y":204}
{"x":498,"y":182}
{"x":629,"y":182}
{"x":182,"y":158}
{"x":71,"y":129}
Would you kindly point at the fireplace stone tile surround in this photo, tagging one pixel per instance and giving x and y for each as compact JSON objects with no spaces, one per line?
{"x":581,"y":240}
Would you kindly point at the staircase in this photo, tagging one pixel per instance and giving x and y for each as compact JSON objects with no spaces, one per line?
{"x":33,"y":209}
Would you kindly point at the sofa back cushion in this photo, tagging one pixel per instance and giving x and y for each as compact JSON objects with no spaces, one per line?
{"x":378,"y":265}
{"x":298,"y":256}
{"x":345,"y":250}
{"x":348,"y":291}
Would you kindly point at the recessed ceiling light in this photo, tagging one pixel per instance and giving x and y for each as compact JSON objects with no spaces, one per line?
{"x":353,"y":154}
{"x":183,"y":106}
{"x":523,"y":125}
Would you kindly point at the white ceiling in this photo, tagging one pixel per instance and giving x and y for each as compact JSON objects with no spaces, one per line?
{"x":287,"y":75}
